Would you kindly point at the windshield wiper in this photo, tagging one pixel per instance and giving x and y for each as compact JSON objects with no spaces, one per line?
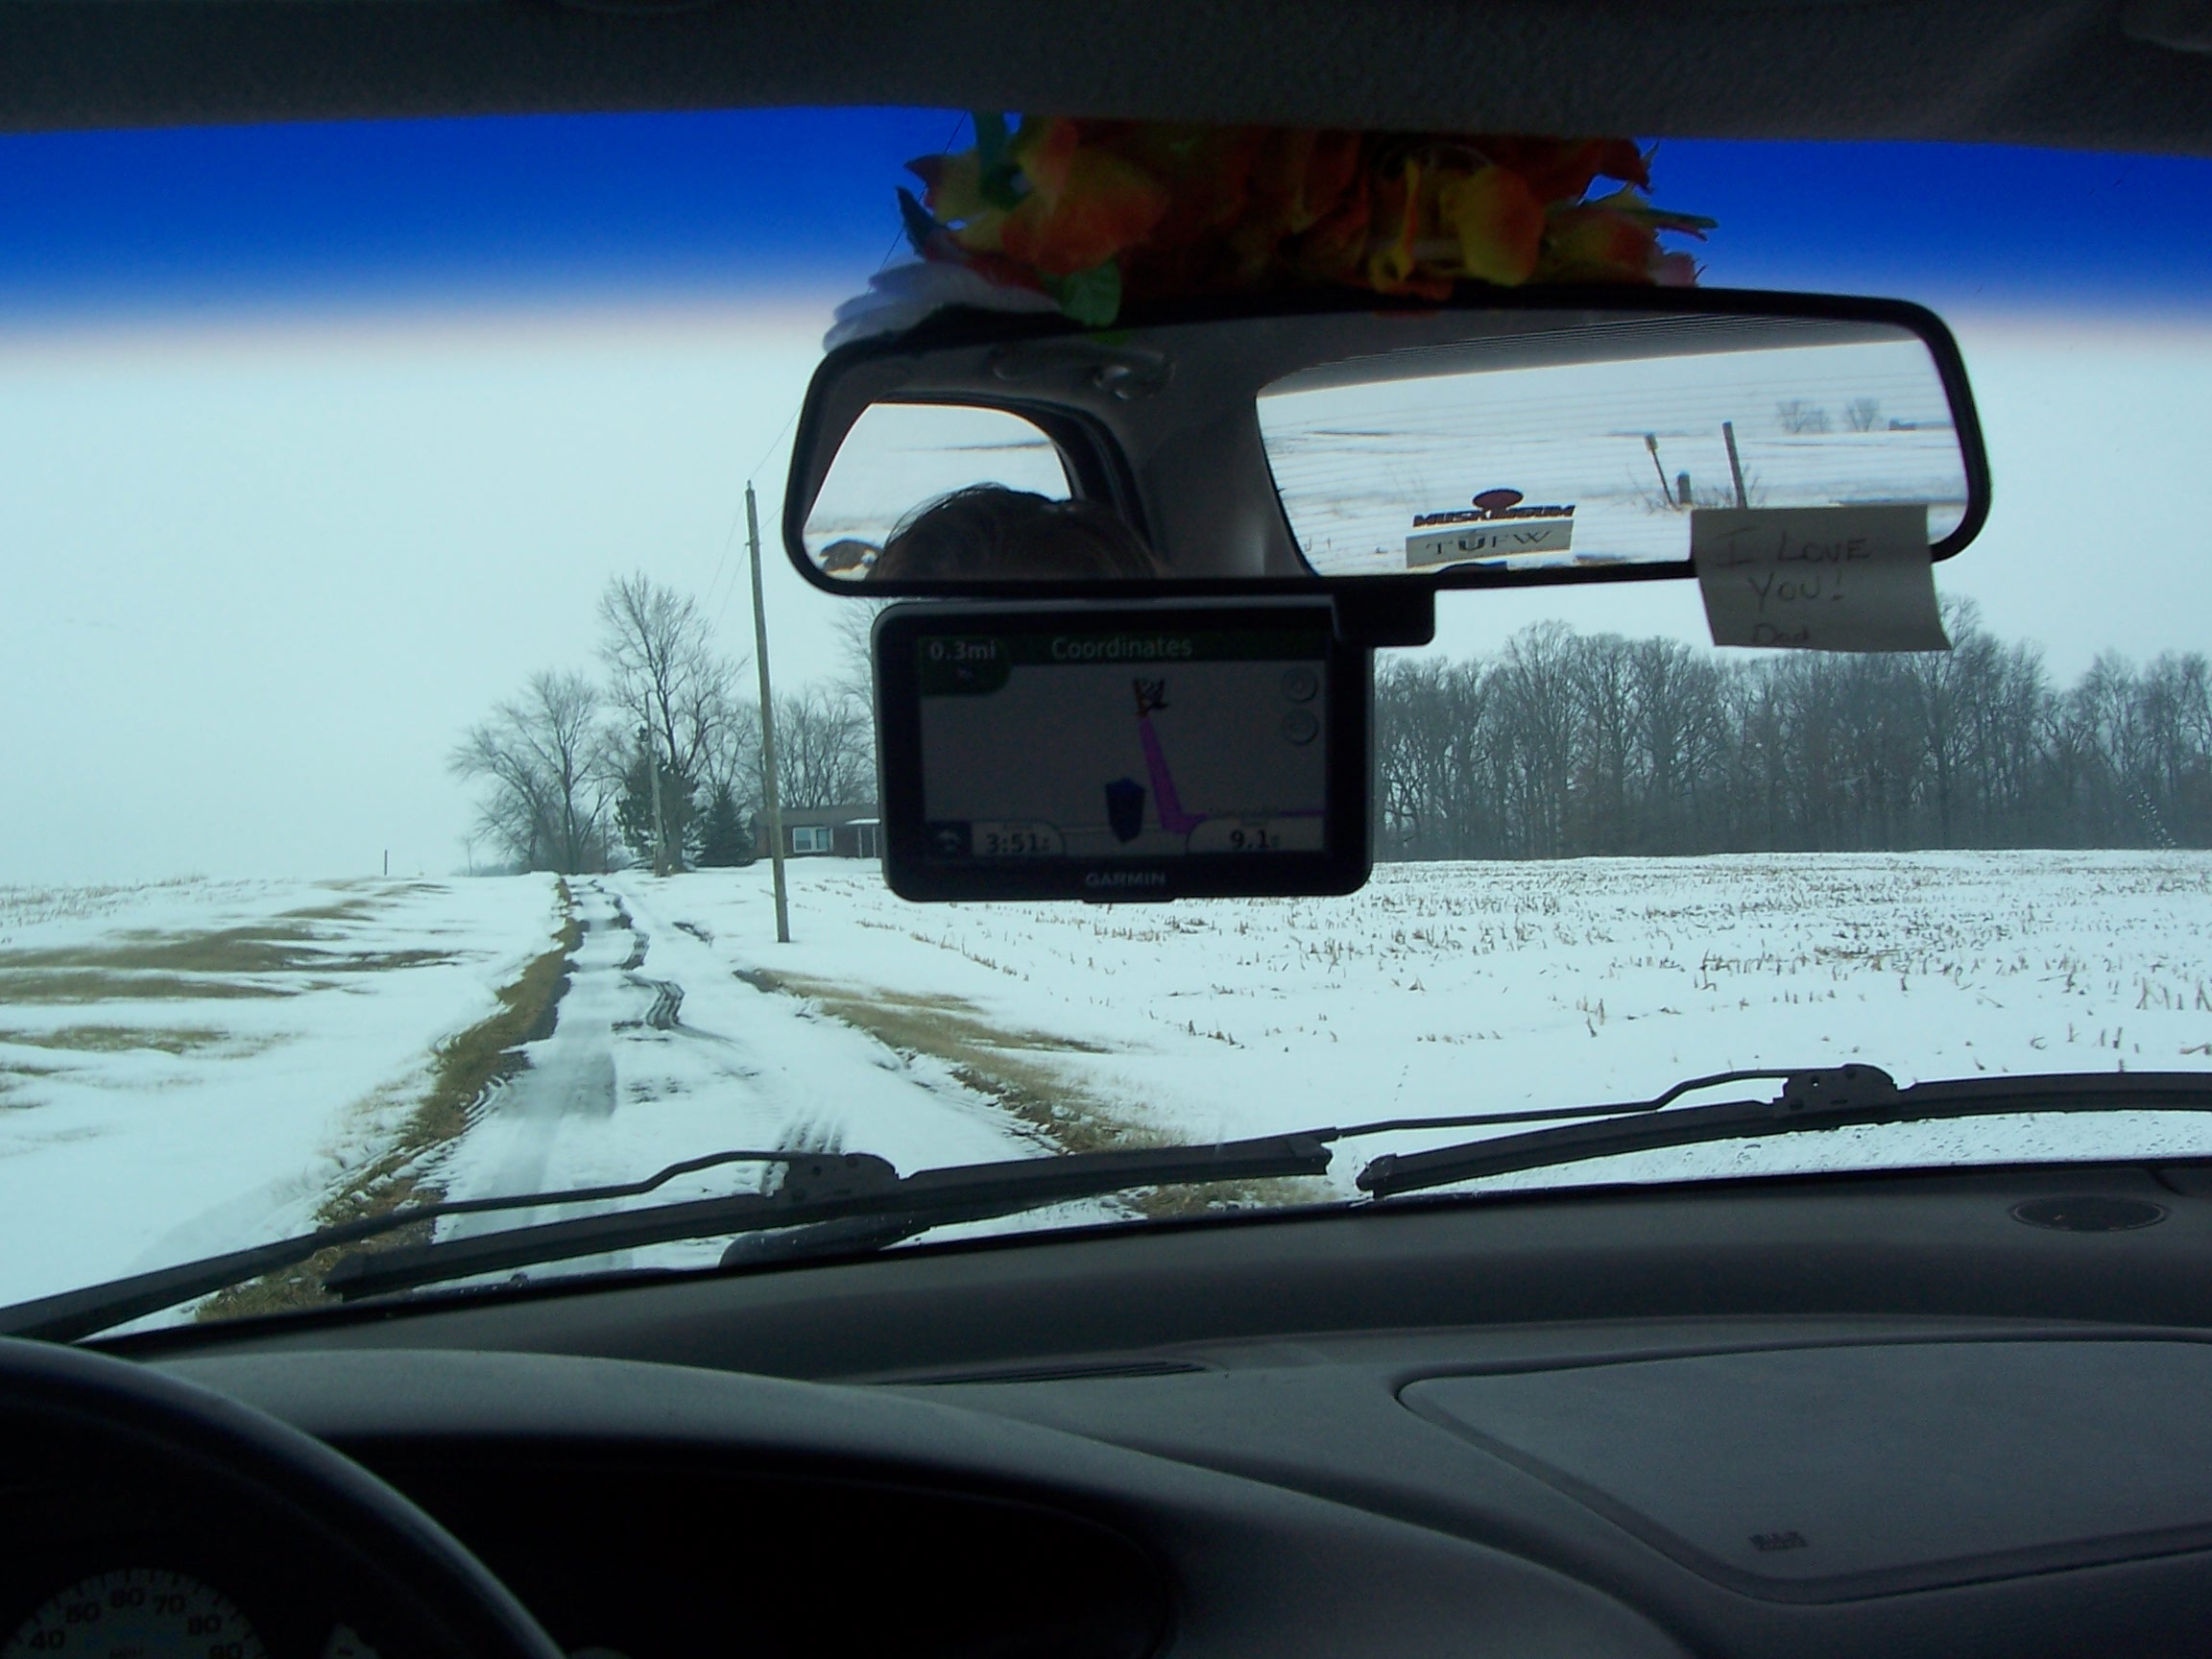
{"x":853,"y":1184}
{"x":854,"y":1202}
{"x":1832,"y":1098}
{"x":816,"y":1187}
{"x":73,"y":1313}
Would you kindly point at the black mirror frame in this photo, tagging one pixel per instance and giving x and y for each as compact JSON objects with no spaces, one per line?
{"x":1099,"y":471}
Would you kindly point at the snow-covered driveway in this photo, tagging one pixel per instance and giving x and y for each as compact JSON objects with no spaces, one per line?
{"x":662,"y":1052}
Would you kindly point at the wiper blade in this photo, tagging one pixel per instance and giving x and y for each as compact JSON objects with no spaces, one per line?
{"x":817,"y":1187}
{"x":73,"y":1313}
{"x":851,"y":1202}
{"x":833,"y":1189}
{"x":1832,"y":1098}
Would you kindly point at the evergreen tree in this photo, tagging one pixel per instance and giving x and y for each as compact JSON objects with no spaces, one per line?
{"x":725,"y":837}
{"x":633,"y":810}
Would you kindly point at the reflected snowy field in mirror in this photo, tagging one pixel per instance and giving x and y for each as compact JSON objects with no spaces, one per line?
{"x":1620,"y":453}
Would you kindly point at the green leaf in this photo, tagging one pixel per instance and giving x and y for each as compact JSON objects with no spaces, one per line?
{"x":1091,"y":298}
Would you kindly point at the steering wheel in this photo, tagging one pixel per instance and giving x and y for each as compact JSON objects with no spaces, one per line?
{"x":152,"y":1433}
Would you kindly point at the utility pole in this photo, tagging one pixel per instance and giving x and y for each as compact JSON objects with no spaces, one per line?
{"x":653,"y":783}
{"x":769,"y":793}
{"x":1735,"y":467}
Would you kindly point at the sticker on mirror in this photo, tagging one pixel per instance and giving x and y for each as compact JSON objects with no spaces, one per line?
{"x":1818,"y":578}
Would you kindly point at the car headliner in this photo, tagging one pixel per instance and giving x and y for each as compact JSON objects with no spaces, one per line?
{"x":2120,"y":73}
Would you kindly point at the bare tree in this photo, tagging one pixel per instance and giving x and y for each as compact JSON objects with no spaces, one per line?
{"x":1798,"y":417}
{"x":825,"y":756}
{"x":673,"y":687}
{"x":856,"y":679}
{"x":733,"y":763}
{"x":1563,"y":745}
{"x":855,"y":627}
{"x":545,"y":806}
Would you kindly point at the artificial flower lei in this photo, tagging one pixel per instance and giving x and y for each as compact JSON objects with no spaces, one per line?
{"x":1094,"y":215}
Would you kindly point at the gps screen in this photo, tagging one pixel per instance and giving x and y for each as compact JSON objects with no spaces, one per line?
{"x":1123,"y":743}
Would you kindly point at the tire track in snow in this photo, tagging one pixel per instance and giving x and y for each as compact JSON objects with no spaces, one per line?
{"x":570,"y":1083}
{"x":808,"y":1082}
{"x":646,"y":1067}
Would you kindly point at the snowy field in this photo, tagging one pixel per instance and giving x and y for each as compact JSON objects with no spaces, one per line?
{"x":190,"y":1067}
{"x":1451,"y":988}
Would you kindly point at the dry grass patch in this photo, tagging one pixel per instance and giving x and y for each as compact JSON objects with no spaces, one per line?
{"x":151,"y":965}
{"x":75,"y":985}
{"x":463,"y":1071}
{"x":124,"y":1039}
{"x":277,"y":947}
{"x":990,"y":1059}
{"x":994,"y":1061}
{"x":338,"y":910}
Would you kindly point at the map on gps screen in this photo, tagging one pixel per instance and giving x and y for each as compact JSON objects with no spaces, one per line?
{"x":1130,"y":744}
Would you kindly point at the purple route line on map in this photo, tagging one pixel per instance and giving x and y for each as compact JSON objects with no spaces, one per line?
{"x":1173,"y":818}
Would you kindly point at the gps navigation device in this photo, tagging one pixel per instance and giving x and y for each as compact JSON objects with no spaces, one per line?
{"x":1111,"y":753}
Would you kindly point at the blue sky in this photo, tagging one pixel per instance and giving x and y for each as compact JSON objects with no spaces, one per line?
{"x":802,"y":198}
{"x":260,"y":560}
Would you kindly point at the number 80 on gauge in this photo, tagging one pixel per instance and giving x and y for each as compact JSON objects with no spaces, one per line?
{"x":138,"y":1612}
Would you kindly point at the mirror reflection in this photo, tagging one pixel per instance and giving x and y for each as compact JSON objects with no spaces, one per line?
{"x":1445,"y":444}
{"x":1383,"y":471}
{"x":901,"y":459}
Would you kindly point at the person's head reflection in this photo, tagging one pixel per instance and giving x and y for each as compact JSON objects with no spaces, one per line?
{"x":991,"y":533}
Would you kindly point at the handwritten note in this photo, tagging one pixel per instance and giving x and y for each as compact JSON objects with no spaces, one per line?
{"x":1817,"y":578}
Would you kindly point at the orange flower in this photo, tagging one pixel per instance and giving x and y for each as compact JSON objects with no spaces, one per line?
{"x":1397,"y":221}
{"x":1085,"y":204}
{"x":1334,"y":249}
{"x":1332,"y":171}
{"x":1098,"y":213}
{"x":952,"y":185}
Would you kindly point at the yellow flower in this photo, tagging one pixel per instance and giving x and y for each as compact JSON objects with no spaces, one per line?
{"x":1499,"y":221}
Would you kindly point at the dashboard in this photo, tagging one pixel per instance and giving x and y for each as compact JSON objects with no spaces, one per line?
{"x":619,"y":1554}
{"x":97,"y":1560}
{"x":1904,"y":1413}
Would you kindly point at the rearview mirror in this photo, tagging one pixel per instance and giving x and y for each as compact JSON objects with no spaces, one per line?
{"x":1538,"y":436}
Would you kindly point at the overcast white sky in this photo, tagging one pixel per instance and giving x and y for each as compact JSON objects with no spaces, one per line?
{"x":257,"y":581}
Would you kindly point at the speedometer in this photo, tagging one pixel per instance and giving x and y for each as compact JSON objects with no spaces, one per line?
{"x":136,"y":1613}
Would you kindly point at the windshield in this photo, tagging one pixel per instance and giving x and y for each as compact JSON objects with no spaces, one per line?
{"x":386,"y":812}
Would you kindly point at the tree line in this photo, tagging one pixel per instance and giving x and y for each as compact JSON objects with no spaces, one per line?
{"x":1564,"y":744}
{"x":1561,"y":744}
{"x":566,"y":768}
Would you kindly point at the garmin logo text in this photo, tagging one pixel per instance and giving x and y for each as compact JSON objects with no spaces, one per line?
{"x":1125,"y":879}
